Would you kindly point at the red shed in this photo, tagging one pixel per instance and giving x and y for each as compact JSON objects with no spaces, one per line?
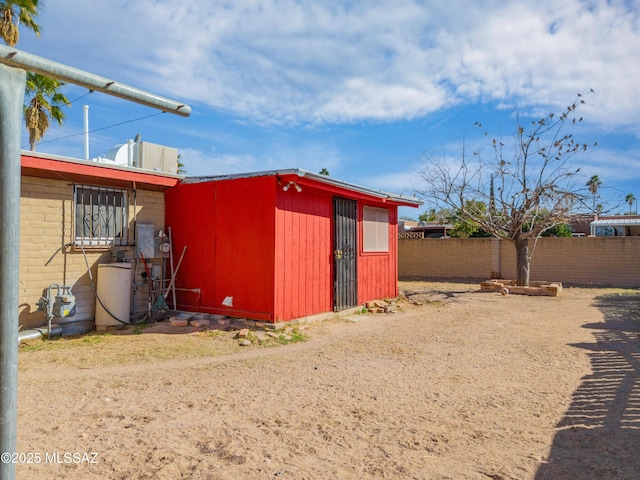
{"x":280,"y":245}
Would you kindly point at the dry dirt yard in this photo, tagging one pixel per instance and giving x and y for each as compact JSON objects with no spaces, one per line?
{"x":467,"y":385}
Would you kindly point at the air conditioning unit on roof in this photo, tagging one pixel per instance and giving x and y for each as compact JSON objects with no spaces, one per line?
{"x":145,"y":155}
{"x":157,"y":157}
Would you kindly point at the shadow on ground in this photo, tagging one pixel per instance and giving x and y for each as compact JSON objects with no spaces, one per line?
{"x":599,"y":436}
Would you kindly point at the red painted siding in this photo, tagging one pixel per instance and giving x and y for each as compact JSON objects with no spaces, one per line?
{"x":378,"y":272}
{"x":228,"y":227}
{"x":245,"y":242}
{"x":303,"y":281}
{"x":271,"y":250}
{"x":183,"y":204}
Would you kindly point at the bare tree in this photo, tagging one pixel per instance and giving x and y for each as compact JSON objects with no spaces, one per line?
{"x":525,"y":187}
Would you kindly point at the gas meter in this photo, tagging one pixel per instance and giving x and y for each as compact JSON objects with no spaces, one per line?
{"x":61,"y":306}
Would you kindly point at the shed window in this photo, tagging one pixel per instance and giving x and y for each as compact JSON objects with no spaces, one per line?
{"x":100,"y":215}
{"x":375,"y":233}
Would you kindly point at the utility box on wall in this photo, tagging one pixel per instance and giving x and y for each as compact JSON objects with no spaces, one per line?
{"x":145,"y":242}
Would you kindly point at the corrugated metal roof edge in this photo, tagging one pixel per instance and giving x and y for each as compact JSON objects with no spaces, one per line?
{"x":396,"y":197}
{"x":616,"y":222}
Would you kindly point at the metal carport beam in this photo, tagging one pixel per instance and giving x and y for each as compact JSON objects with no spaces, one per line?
{"x":32,"y":63}
{"x":12,"y":86}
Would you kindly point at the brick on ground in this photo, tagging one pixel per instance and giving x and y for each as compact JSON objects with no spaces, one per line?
{"x":261,"y":336}
{"x":244,"y":333}
{"x":200,"y":322}
{"x":179,"y":322}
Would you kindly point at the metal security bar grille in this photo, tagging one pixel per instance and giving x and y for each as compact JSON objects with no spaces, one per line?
{"x":345,"y":253}
{"x":100,"y":215}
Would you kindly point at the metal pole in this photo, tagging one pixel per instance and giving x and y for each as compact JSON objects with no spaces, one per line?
{"x":85,"y":110}
{"x":12,"y":84}
{"x":27,"y":61}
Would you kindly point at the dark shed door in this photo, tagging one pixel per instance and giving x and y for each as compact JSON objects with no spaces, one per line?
{"x":345,"y":291}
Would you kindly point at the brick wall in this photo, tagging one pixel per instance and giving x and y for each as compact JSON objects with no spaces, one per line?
{"x":444,"y":257}
{"x":597,"y":261}
{"x":46,"y":225}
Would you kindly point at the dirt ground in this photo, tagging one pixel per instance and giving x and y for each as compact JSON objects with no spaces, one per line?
{"x":466,"y":385}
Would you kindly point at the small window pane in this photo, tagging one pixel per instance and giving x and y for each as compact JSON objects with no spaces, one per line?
{"x":375,"y":229}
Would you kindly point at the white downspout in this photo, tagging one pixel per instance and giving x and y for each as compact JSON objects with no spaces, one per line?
{"x":130,"y":152}
{"x":86,"y":131}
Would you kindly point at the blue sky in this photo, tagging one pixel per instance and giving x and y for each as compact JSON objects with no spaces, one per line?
{"x":365,"y":89}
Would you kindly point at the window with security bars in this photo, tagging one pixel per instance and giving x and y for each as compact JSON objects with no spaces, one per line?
{"x":100,"y":216}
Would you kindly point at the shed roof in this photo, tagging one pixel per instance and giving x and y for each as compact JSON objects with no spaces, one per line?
{"x":316,"y":177}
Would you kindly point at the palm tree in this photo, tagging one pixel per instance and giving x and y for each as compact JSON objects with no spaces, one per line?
{"x":630,"y":198}
{"x":181,"y":168}
{"x":594,"y":184}
{"x":14,"y":13}
{"x":46,"y":102}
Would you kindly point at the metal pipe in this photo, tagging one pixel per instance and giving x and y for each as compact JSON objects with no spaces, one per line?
{"x":85,"y":109}
{"x":29,"y":335}
{"x":33,"y":63}
{"x":12,"y":85}
{"x":40,"y":333}
{"x":129,"y":152}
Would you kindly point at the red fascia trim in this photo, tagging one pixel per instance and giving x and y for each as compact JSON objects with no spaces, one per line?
{"x":48,"y":168}
{"x":344,"y":192}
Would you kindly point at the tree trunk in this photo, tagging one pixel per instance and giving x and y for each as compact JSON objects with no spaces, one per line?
{"x":522,"y":260}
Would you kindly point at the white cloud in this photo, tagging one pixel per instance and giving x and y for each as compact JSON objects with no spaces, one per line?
{"x":198,"y":163}
{"x":308,"y":156}
{"x":398,"y":182}
{"x":291,"y":62}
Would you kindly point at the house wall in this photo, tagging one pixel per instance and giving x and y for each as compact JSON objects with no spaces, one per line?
{"x":228,"y":228}
{"x":304,"y":255}
{"x":378,"y":271}
{"x":149,"y":210}
{"x":46,"y":225}
{"x":190,"y":213}
{"x":270,"y":250}
{"x":597,"y":261}
{"x":445,"y":257}
{"x":303,"y":258}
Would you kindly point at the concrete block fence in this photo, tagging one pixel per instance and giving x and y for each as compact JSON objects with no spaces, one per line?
{"x":588,"y":261}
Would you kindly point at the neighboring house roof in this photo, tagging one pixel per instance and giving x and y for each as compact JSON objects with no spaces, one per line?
{"x":328,"y":181}
{"x":433,"y":226}
{"x":616,"y":222}
{"x":407,"y":224}
{"x":36,"y":164}
{"x":580,"y":224}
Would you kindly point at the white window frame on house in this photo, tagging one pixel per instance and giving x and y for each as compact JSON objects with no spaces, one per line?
{"x":375,"y":229}
{"x":100,"y":215}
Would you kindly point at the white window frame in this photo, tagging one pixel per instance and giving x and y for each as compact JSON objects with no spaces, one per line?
{"x":375,"y":229}
{"x":100,"y":215}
